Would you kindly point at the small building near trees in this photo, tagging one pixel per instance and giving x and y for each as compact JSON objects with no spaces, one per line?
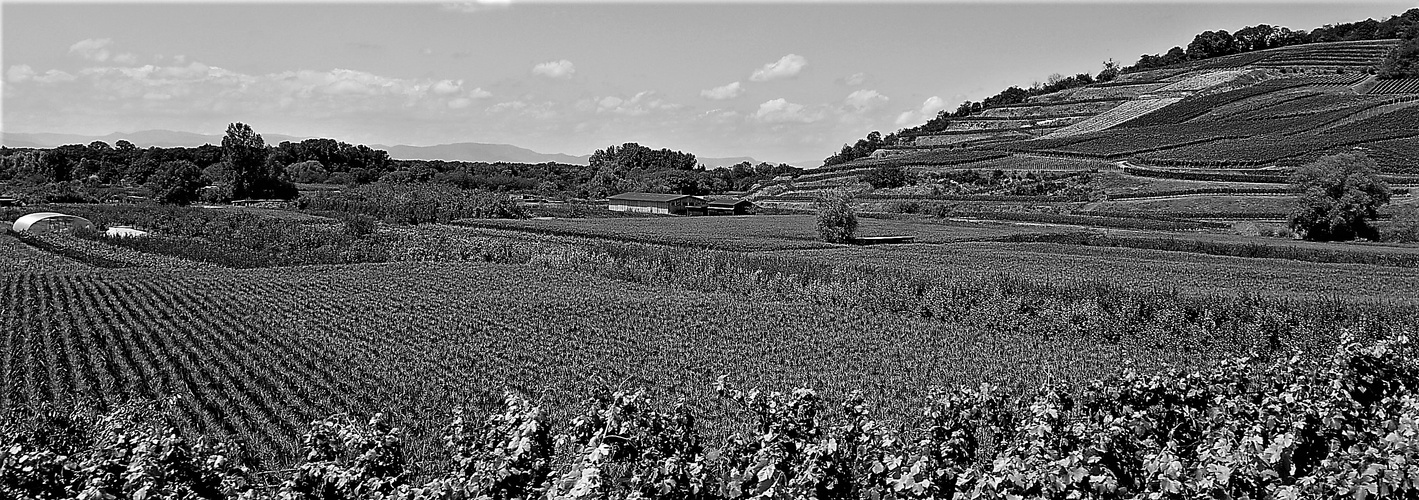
{"x":50,"y":222}
{"x":653,"y":203}
{"x":730,"y":206}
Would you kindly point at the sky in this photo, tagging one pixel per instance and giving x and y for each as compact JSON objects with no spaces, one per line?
{"x":781,"y":82}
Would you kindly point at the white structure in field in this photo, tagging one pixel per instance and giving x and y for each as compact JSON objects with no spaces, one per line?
{"x":124,"y":232}
{"x":50,"y":222}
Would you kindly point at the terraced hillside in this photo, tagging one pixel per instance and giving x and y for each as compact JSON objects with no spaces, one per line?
{"x":1259,"y":114}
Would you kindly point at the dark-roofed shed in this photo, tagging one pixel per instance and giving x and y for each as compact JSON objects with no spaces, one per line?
{"x":656,"y":203}
{"x":730,"y":206}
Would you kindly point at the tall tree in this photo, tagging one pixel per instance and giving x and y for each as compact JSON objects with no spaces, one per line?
{"x":249,"y":174}
{"x":1337,"y":197}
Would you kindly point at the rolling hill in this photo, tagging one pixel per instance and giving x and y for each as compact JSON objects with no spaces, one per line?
{"x":1231,"y":123}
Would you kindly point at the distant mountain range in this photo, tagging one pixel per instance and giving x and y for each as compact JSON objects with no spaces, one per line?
{"x":463,"y":151}
{"x":142,"y":139}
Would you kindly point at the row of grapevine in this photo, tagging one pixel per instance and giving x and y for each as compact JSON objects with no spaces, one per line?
{"x":1201,"y":191}
{"x":1123,"y":113}
{"x":1396,"y":86}
{"x":1341,"y":425}
{"x":1257,"y":177}
{"x":1194,"y":107}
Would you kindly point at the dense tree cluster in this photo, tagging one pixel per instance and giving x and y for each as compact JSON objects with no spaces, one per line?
{"x":1338,"y":196}
{"x":1403,"y":61}
{"x":1219,"y":43}
{"x":245,"y":167}
{"x":862,"y":149}
{"x":632,"y":167}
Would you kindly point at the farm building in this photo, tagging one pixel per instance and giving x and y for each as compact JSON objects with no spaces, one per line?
{"x":49,"y":222}
{"x":730,"y":206}
{"x":675,"y":204}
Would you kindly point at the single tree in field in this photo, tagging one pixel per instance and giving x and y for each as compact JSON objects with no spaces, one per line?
{"x":837,"y":220}
{"x":176,"y":182}
{"x":1337,"y":196}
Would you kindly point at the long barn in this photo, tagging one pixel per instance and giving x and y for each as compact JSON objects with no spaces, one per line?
{"x":671,"y":204}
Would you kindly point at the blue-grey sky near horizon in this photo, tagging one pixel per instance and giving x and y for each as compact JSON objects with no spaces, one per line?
{"x":779,"y":82}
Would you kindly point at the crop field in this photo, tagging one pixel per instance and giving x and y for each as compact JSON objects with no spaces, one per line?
{"x":1203,"y":206}
{"x":1145,"y":269}
{"x":1115,"y":182}
{"x":256,"y":354}
{"x":778,"y":232}
{"x":1397,"y":86}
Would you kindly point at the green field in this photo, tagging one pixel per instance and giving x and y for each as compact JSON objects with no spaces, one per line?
{"x":748,"y":233}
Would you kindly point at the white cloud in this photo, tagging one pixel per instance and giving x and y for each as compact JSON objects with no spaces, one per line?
{"x":555,"y":69}
{"x":19,"y":73}
{"x":93,"y":49}
{"x":54,"y":76}
{"x":643,"y":103}
{"x":863,"y":100}
{"x":446,"y":87}
{"x":467,"y":98}
{"x":787,"y":66}
{"x":781,"y":111}
{"x":506,"y":106}
{"x":928,"y":110}
{"x":23,"y":73}
{"x":126,"y":58}
{"x":723,"y":92}
{"x":476,"y":6}
{"x":855,"y":79}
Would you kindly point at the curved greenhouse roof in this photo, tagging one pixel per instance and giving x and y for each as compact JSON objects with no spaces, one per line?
{"x":49,"y":221}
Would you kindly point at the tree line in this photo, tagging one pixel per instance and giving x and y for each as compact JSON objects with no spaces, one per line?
{"x":1209,"y":44}
{"x":245,"y":167}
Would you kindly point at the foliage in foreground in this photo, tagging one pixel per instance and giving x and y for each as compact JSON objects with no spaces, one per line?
{"x":1343,"y":427}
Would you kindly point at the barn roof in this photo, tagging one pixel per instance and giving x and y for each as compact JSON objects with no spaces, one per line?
{"x":649,"y":197}
{"x":728,"y":202}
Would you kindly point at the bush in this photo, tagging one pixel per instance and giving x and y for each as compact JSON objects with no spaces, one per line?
{"x":837,"y":220}
{"x":358,"y":225}
{"x":417,"y":203}
{"x":1338,"y":197}
{"x":1405,"y":226}
{"x":888,"y":176}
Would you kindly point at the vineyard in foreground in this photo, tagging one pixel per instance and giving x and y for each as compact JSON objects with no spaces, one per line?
{"x":1342,"y":426}
{"x":256,"y":354}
